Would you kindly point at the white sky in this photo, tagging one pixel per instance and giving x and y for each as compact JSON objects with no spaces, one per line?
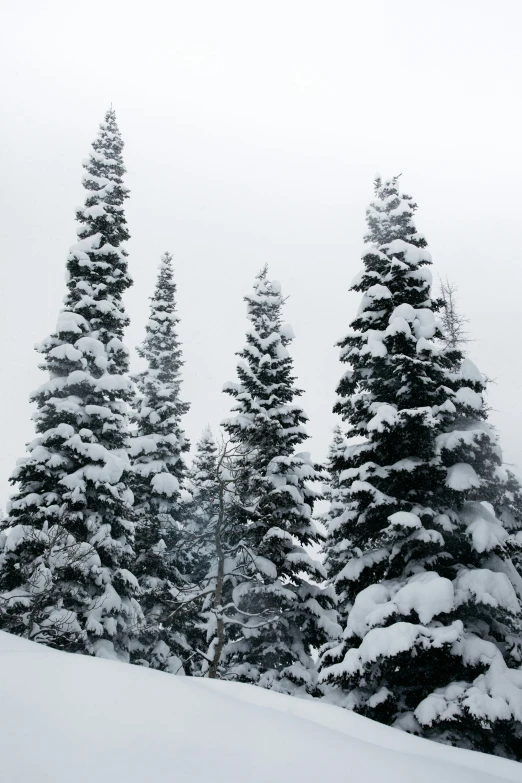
{"x":253,"y":132}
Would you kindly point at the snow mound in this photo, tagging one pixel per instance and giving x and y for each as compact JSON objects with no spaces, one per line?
{"x":66,"y":717}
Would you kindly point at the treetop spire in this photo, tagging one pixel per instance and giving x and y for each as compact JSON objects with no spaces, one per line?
{"x":72,"y":512}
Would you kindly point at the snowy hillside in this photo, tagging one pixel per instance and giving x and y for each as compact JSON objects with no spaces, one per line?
{"x":70,"y":718}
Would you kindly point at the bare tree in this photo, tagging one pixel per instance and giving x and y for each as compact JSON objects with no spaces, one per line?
{"x":209,"y":591}
{"x":223,"y":482}
{"x":454,"y":324}
{"x":232,"y":563}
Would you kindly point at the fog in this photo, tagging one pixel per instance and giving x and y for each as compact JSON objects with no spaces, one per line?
{"x":253,"y":132}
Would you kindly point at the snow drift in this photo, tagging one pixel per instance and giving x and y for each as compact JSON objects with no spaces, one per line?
{"x":70,"y":718}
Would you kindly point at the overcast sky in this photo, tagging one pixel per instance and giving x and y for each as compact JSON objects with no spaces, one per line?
{"x":253,"y":132}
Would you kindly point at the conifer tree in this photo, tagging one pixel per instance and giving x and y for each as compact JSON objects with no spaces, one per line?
{"x":203,"y":540}
{"x":213,"y":547}
{"x":279,"y":607}
{"x":334,"y":547}
{"x":157,"y":450}
{"x":433,"y":641}
{"x":203,"y":510}
{"x":64,"y":578}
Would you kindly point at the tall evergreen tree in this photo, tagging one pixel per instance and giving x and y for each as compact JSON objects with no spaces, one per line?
{"x":281,"y":610}
{"x":433,"y":641}
{"x":204,"y":508}
{"x":334,"y":547}
{"x":64,"y":579}
{"x":157,"y":450}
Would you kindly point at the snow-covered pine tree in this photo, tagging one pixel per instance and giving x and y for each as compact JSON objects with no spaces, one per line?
{"x":455,"y":336}
{"x":159,"y":469}
{"x":280,"y":608}
{"x":334,"y":547}
{"x":203,"y":510}
{"x":433,"y":638}
{"x":63,"y":564}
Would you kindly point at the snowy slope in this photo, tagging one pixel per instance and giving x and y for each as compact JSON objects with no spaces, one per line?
{"x":66,"y":718}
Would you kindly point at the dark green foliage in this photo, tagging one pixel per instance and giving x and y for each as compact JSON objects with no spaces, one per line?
{"x":157,"y":450}
{"x":278,"y":605}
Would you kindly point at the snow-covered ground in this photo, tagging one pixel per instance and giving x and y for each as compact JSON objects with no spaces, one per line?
{"x":72,"y":719}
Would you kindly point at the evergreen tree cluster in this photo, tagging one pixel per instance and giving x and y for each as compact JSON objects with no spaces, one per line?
{"x":402,"y":601}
